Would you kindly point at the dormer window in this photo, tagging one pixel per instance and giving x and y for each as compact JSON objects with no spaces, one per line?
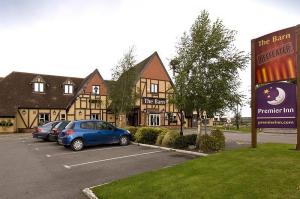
{"x":38,"y":87}
{"x":68,"y":86}
{"x":96,"y":90}
{"x":38,"y":84}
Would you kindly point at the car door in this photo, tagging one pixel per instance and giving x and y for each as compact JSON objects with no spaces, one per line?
{"x":89,"y":133}
{"x":106,"y":133}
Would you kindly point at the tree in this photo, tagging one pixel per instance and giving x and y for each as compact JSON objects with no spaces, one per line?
{"x":236,"y":103}
{"x":122,"y":93}
{"x":206,"y":67}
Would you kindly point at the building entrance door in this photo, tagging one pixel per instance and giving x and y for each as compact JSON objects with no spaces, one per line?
{"x":133,"y":117}
{"x":154,"y":120}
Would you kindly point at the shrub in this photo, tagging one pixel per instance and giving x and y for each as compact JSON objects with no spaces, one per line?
{"x":190,"y":139}
{"x":3,"y":123}
{"x":182,"y":142}
{"x":219,"y":139}
{"x":132,"y":130}
{"x":9,"y":123}
{"x":146,"y":135}
{"x":170,"y":138}
{"x":159,"y":139}
{"x":162,"y":133}
{"x":213,"y":142}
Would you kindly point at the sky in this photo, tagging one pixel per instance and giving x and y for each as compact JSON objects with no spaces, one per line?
{"x":74,"y":37}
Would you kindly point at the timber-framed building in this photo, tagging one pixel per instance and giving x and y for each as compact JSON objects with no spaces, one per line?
{"x":29,"y":99}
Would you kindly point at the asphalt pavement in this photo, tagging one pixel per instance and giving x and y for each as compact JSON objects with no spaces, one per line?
{"x":31,"y":169}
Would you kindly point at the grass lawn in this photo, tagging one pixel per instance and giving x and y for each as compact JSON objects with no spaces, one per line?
{"x":242,"y":129}
{"x":270,"y":171}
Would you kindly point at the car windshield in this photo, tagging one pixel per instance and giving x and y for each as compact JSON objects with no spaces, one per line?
{"x":62,"y":125}
{"x":57,"y":125}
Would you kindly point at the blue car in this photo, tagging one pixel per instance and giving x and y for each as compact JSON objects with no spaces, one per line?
{"x":79,"y":134}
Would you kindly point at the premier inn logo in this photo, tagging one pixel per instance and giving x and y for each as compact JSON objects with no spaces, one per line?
{"x":274,"y":95}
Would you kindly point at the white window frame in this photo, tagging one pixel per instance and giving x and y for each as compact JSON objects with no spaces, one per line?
{"x":38,"y":87}
{"x":95,"y":116}
{"x":42,"y":118}
{"x":153,"y":88}
{"x":154,"y":120}
{"x":68,"y":89}
{"x":98,"y":90}
{"x":62,"y":116}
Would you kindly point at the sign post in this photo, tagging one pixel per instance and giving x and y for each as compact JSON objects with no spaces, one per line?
{"x":253,"y":98}
{"x":298,"y":84}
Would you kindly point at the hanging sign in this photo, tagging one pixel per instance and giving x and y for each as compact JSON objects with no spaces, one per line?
{"x":276,"y":106}
{"x":275,"y":56}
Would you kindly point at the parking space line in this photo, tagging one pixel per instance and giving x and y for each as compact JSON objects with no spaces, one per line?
{"x":109,"y":159}
{"x":78,"y":152}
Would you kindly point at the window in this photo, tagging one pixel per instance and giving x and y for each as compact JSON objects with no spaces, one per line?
{"x":71,"y":125}
{"x":95,"y":117}
{"x":39,"y":87}
{"x":68,"y":88}
{"x":154,"y":120}
{"x":87,"y":125}
{"x":104,"y":126}
{"x":154,"y":88}
{"x":44,"y":118}
{"x":171,"y":117}
{"x":63,"y":117}
{"x":96,"y":90}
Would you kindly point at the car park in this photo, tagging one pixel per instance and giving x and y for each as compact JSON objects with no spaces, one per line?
{"x":57,"y":130}
{"x":79,"y":134}
{"x":43,"y":131}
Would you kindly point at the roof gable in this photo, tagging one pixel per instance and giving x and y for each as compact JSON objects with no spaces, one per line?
{"x":94,"y":80}
{"x":154,"y":69}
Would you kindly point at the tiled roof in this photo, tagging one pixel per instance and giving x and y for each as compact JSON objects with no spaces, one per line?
{"x":138,"y":68}
{"x":16,"y":91}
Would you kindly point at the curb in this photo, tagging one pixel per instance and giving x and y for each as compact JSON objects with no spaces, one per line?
{"x":170,"y":149}
{"x":89,"y":193}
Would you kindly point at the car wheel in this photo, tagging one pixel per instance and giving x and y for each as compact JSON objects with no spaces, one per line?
{"x":77,"y":145}
{"x":124,"y":140}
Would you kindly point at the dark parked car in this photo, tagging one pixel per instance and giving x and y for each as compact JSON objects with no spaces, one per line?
{"x":57,"y":130}
{"x":43,"y":131}
{"x":79,"y":134}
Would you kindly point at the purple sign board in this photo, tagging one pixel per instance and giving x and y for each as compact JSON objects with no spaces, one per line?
{"x":276,"y":106}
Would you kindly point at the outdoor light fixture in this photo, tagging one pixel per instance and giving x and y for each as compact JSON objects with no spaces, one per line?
{"x":95,"y":89}
{"x":80,"y":112}
{"x":23,"y":112}
{"x":54,"y":112}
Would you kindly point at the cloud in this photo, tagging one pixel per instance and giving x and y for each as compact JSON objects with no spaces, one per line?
{"x":26,"y":12}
